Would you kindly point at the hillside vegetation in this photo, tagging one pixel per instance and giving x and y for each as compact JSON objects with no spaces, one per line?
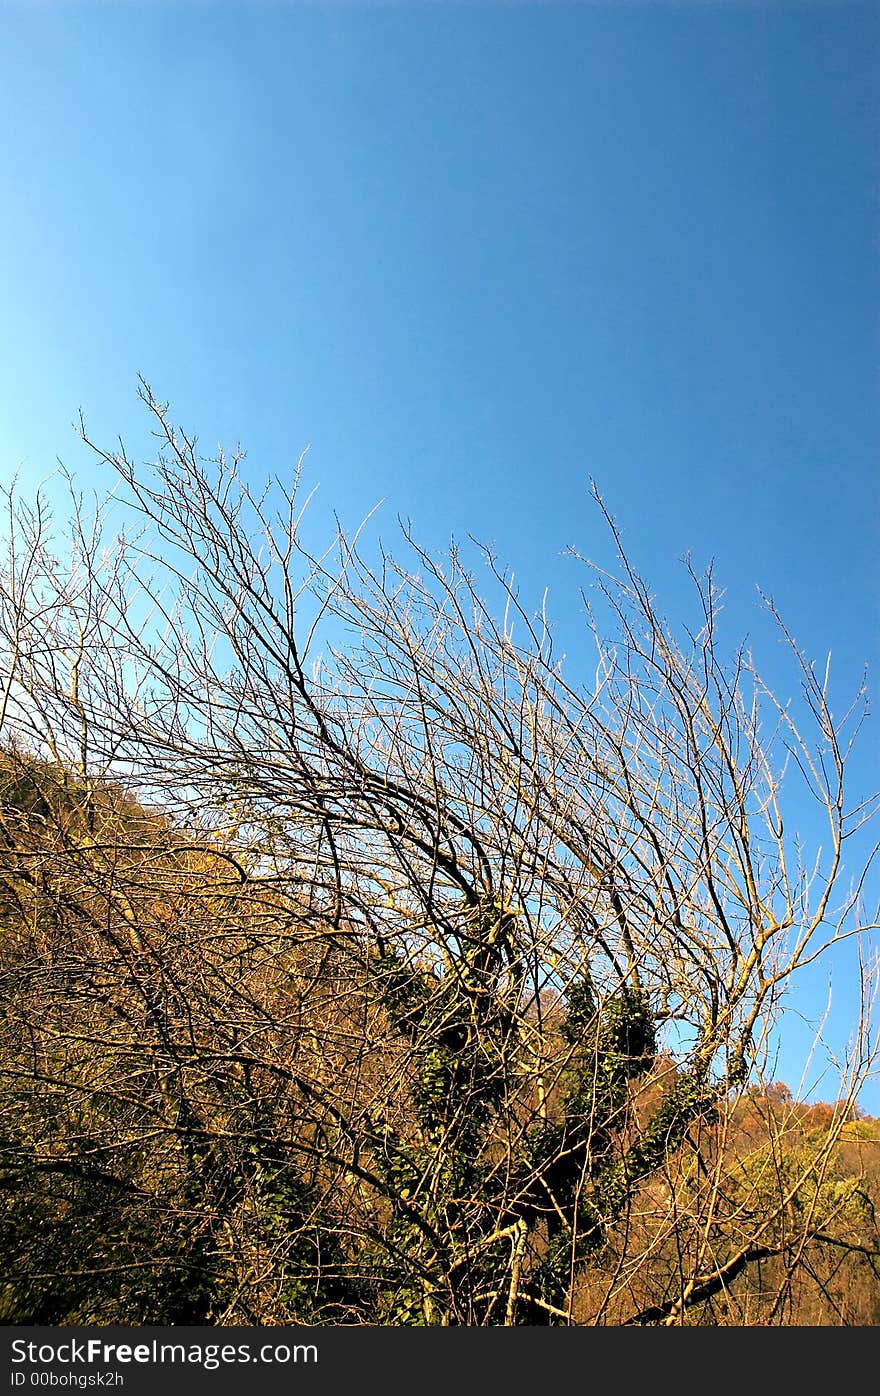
{"x":215,"y":1111}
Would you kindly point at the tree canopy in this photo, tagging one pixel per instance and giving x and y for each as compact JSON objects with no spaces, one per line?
{"x":360,"y":965}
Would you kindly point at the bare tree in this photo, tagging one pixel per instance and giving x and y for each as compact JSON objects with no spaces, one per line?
{"x":369,"y":967}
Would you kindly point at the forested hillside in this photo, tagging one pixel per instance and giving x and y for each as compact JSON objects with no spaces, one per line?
{"x":216,"y":1109}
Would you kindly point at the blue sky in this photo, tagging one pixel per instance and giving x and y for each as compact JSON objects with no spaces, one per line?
{"x":474,"y":255}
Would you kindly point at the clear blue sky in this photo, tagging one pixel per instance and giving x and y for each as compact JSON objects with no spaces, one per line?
{"x":473,"y":255}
